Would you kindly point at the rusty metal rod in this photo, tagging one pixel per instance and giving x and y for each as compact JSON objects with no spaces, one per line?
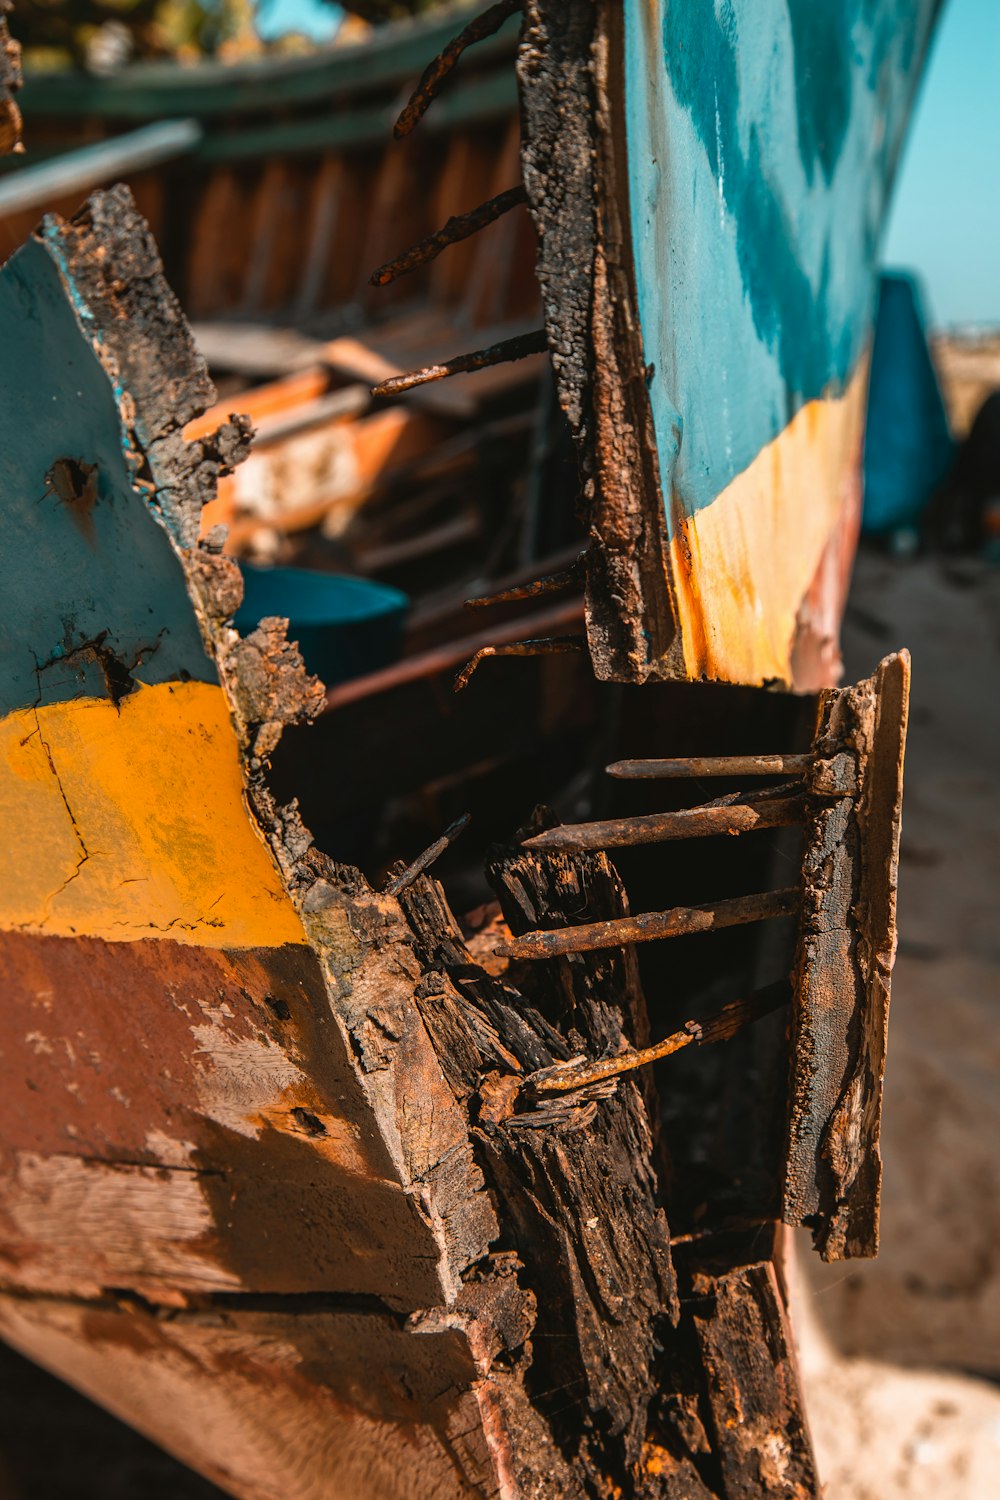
{"x":405,"y":878}
{"x":518,"y":347}
{"x":655,"y":828}
{"x":438,"y":70}
{"x":711,"y":765}
{"x":549,"y":583}
{"x":459,"y":227}
{"x":650,"y":926}
{"x":574,"y":1074}
{"x":554,"y":645}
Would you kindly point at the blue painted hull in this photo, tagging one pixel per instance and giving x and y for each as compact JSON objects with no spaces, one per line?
{"x":762,"y":141}
{"x":744,"y":153}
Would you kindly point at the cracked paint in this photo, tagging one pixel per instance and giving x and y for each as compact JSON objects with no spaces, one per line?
{"x":110,"y":836}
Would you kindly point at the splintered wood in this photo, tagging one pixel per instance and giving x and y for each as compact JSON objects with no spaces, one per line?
{"x":846,"y":949}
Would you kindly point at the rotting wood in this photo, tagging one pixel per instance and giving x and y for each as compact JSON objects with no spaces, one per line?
{"x":10,"y":82}
{"x":761,"y":1438}
{"x":572,"y":167}
{"x":576,"y":1179}
{"x":846,"y":950}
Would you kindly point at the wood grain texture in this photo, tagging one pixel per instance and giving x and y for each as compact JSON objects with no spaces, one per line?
{"x":573,"y":139}
{"x":846,"y":950}
{"x":575,"y":1180}
{"x":761,"y":1439}
{"x":271,"y":1403}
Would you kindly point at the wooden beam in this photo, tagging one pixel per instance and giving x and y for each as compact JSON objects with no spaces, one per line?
{"x":844,"y":962}
{"x":91,"y":166}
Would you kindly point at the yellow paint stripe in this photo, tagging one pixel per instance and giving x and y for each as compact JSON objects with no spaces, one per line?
{"x":131,"y":823}
{"x":742,"y":565}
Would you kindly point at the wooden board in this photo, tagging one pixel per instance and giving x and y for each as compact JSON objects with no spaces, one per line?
{"x":847,"y":946}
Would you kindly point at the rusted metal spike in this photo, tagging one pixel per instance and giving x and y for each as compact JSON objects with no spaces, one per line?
{"x":551,"y":583}
{"x":551,"y":646}
{"x":711,"y":765}
{"x":577,"y":1073}
{"x":480,"y":359}
{"x":437,"y":71}
{"x":405,"y":878}
{"x":458,"y":228}
{"x":655,"y":828}
{"x":650,"y":926}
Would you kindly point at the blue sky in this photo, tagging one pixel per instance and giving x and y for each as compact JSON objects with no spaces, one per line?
{"x":945,"y":221}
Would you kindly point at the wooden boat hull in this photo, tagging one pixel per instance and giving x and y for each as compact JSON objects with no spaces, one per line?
{"x":742,"y":158}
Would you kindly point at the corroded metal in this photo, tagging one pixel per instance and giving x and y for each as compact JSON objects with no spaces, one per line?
{"x":438,"y":71}
{"x":688,"y":823}
{"x":710,"y":765}
{"x":649,"y":927}
{"x":459,"y":227}
{"x":518,"y":347}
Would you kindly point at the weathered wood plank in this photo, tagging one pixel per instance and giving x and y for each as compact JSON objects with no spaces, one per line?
{"x":846,"y":950}
{"x":284,"y":1401}
{"x":10,"y":83}
{"x":761,"y":1439}
{"x":572,"y":134}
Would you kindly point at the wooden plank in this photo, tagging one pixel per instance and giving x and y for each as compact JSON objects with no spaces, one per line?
{"x":10,"y":83}
{"x":325,"y":212}
{"x":213,"y":273}
{"x":844,"y":963}
{"x":268,"y":1402}
{"x":77,"y":171}
{"x":575,"y":1178}
{"x":761,"y":1438}
{"x":577,"y":196}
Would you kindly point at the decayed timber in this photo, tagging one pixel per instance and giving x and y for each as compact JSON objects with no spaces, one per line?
{"x":749,"y":1354}
{"x":846,"y":950}
{"x":570,"y":121}
{"x":10,"y":82}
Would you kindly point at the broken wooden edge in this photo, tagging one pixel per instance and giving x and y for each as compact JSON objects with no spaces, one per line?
{"x":844,"y":962}
{"x":649,"y":927}
{"x":574,"y":171}
{"x":10,"y":83}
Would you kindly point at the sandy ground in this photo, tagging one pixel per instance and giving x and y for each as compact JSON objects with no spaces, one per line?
{"x":886,"y":1422}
